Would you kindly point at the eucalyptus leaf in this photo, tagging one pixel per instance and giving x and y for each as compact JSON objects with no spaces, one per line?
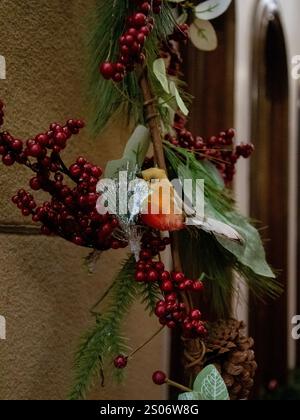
{"x":179,"y":100}
{"x":203,"y":35}
{"x":113,"y":167}
{"x":210,"y":385}
{"x":138,"y":145}
{"x":190,"y":396}
{"x":134,"y":153}
{"x":251,"y":252}
{"x":182,"y":18}
{"x":248,"y":259}
{"x":212,"y":9}
{"x":159,"y":69}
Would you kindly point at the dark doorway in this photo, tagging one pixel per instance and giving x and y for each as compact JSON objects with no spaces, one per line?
{"x":269,"y":185}
{"x":210,"y":78}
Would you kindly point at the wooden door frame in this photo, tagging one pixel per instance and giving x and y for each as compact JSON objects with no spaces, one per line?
{"x":214,"y":96}
{"x":269,"y":175}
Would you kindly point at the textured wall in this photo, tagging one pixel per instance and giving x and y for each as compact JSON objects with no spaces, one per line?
{"x":45,"y":292}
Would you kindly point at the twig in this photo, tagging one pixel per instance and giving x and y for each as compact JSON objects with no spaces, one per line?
{"x":153,"y":121}
{"x":178,"y":386}
{"x":146,"y":342}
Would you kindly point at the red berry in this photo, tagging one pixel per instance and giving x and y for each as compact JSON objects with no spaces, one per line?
{"x":139,"y":19}
{"x":198,"y":286}
{"x":171,"y":298}
{"x":60,"y":139}
{"x":159,"y":378}
{"x":42,"y":139}
{"x":35,"y":150}
{"x":152,"y":276}
{"x":118,"y":77}
{"x":188,"y":284}
{"x":196,"y":315}
{"x":141,"y":38}
{"x":8,"y":160}
{"x":171,"y":324}
{"x":145,"y":255}
{"x":78,"y":240}
{"x":167,"y":286}
{"x":159,"y":266}
{"x":75,"y":171}
{"x":140,"y":276}
{"x":145,"y":31}
{"x":35,"y":184}
{"x":178,"y":277}
{"x":107,"y":70}
{"x":160,"y":311}
{"x":134,"y":32}
{"x":120,"y":362}
{"x":17,"y":145}
{"x":145,"y":7}
{"x":164,"y":276}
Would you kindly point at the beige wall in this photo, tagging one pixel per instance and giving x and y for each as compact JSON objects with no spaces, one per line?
{"x":45,"y":292}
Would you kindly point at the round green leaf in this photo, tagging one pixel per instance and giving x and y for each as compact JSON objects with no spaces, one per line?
{"x":209,"y":383}
{"x":203,"y":35}
{"x":212,"y":9}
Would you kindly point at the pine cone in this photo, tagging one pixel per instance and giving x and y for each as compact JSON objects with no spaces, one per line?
{"x":231,"y":352}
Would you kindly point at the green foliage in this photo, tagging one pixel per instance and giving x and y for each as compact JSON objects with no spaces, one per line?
{"x":208,"y":386}
{"x":104,"y":341}
{"x":217,"y":256}
{"x":106,"y":97}
{"x":209,"y":383}
{"x":151,"y":294}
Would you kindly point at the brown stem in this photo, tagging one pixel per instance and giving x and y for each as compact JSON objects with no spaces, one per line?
{"x":146,"y":342}
{"x":153,"y":121}
{"x":178,"y":386}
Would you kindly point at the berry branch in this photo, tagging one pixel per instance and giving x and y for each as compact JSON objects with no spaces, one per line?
{"x":71,"y":211}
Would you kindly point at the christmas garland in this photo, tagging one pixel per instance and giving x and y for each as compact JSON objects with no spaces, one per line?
{"x":136,"y":44}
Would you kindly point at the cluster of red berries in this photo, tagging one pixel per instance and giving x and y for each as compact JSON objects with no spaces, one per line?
{"x":138,"y":28}
{"x":193,"y":324}
{"x":220,"y":150}
{"x":148,"y":270}
{"x":71,"y":211}
{"x":170,"y":311}
{"x":25,"y":202}
{"x":55,"y":140}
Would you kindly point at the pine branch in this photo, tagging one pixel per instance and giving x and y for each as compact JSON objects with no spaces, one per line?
{"x":107,"y":98}
{"x":104,"y":341}
{"x":151,"y":294}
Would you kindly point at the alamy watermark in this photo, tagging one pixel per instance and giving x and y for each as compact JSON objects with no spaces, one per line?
{"x":296,"y":67}
{"x":2,"y":328}
{"x":296,"y":327}
{"x":2,"y":68}
{"x":157,"y":196}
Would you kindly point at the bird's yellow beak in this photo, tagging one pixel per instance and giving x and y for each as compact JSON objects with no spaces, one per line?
{"x":154,"y":173}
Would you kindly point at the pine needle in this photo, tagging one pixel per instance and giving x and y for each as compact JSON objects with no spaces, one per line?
{"x":151,"y":294}
{"x":104,"y":341}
